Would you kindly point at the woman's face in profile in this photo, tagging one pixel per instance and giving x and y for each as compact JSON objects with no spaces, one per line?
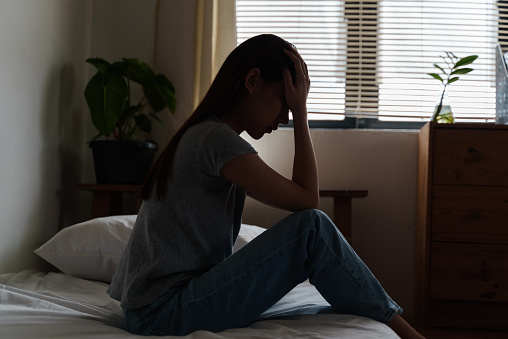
{"x":266,"y":109}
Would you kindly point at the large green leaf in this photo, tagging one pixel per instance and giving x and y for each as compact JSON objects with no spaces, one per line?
{"x":99,"y":63}
{"x":119,"y":67}
{"x":436,"y":76}
{"x":440,"y":68}
{"x":170,"y":99}
{"x":465,"y":61}
{"x":140,"y":72}
{"x":462,"y":71}
{"x":166,"y":91}
{"x":154,"y":97}
{"x":160,"y":97}
{"x":106,"y":96}
{"x":163,"y":81}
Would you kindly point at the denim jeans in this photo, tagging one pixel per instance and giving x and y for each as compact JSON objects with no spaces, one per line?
{"x":305,"y":245}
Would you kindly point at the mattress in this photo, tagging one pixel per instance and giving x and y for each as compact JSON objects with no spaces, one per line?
{"x":36,"y":304}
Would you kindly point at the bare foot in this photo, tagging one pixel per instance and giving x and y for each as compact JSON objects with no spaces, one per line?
{"x":403,"y":329}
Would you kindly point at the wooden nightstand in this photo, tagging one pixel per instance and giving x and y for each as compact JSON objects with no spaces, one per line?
{"x":462,"y":226}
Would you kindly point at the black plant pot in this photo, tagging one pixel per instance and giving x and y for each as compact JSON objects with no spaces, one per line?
{"x":123,"y":162}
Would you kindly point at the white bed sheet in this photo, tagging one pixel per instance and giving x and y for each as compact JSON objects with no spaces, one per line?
{"x":53,"y":305}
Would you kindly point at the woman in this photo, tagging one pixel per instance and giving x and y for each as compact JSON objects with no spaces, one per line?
{"x":178,"y":274}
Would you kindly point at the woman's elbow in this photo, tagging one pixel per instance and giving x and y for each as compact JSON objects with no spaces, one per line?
{"x":310,"y":202}
{"x":314,"y":203}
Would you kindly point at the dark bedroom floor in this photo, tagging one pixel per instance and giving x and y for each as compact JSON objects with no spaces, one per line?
{"x":447,"y":333}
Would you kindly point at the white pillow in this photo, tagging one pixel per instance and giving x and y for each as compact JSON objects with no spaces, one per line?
{"x":91,"y":249}
{"x":247,"y":233}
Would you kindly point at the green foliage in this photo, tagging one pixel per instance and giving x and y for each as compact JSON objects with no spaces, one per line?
{"x":108,"y":96}
{"x":453,"y":64}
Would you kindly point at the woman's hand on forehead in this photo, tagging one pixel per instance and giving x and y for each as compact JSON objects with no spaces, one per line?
{"x":296,"y":92}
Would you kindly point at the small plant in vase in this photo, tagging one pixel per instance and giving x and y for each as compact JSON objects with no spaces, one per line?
{"x":454,"y":67}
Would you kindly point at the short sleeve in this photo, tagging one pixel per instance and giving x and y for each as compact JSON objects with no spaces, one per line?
{"x":222,"y":144}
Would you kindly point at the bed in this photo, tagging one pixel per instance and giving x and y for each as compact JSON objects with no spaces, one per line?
{"x":73,"y":303}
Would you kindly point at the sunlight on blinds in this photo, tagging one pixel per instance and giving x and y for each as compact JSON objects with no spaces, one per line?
{"x":370,"y":59}
{"x":413,"y":35}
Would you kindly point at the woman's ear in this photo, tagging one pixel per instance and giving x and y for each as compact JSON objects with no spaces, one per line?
{"x":251,"y":79}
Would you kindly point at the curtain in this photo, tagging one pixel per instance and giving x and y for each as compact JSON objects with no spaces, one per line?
{"x":192,"y":38}
{"x":215,"y":39}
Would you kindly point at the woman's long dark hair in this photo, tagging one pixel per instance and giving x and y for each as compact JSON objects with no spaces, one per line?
{"x":264,"y":52}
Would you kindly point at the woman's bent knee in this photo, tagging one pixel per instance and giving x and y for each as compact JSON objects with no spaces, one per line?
{"x":313,"y":218}
{"x":310,"y":214}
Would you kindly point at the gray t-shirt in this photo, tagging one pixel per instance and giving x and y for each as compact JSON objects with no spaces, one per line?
{"x":193,"y":228}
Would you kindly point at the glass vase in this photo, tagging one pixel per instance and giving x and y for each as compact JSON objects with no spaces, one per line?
{"x":443,"y":111}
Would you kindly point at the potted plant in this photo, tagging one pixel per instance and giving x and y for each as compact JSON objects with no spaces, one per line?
{"x":443,"y":112}
{"x":122,"y":158}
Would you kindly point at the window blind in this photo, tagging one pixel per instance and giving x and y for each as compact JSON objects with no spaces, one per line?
{"x":370,"y":59}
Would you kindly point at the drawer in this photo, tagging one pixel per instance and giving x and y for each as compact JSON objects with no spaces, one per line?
{"x":467,"y":314}
{"x":468,"y":272}
{"x":469,"y":213}
{"x":470,"y":157}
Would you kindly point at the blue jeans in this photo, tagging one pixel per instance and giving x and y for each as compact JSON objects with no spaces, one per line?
{"x":305,"y":245}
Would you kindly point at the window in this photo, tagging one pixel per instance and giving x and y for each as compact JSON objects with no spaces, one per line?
{"x":368,"y":60}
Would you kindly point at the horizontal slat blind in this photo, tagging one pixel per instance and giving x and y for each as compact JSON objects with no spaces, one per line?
{"x":370,"y":59}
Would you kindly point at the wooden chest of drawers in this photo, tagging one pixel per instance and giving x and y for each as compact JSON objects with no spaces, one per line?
{"x":462,"y":226}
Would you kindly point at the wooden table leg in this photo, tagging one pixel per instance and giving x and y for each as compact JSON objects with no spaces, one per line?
{"x":342,"y":215}
{"x":106,"y":203}
{"x":342,"y":208}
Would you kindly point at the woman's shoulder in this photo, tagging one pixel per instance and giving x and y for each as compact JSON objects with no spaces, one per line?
{"x":214,"y":137}
{"x":210,"y":128}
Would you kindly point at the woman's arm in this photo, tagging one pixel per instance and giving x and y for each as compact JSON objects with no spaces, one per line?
{"x":262,"y":182}
{"x":304,"y":163}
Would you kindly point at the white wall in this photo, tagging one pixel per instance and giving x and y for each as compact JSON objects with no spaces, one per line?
{"x":44,"y":121}
{"x":123,"y":29}
{"x":43,"y":44}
